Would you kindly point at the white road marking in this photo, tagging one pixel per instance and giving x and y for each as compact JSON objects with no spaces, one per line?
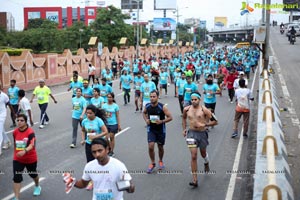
{"x":286,"y":94}
{"x":13,"y":129}
{"x":233,"y":177}
{"x":122,"y":131}
{"x":26,"y":187}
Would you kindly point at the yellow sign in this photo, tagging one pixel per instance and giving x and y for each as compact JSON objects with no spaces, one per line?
{"x":221,"y":22}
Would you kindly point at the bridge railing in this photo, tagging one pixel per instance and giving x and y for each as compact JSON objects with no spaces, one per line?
{"x":272,"y":174}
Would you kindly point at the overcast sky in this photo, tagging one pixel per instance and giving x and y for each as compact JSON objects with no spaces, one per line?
{"x":203,"y":9}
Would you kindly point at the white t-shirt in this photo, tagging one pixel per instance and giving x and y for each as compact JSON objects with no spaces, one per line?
{"x":155,"y":65}
{"x":240,"y":92}
{"x":105,"y":178}
{"x":24,"y":106}
{"x":236,"y":83}
{"x":91,"y":69}
{"x":3,"y":101}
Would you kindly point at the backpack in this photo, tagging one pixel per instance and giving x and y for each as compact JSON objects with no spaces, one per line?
{"x":243,"y":102}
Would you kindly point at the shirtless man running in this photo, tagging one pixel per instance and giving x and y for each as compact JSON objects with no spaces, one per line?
{"x":196,"y":136}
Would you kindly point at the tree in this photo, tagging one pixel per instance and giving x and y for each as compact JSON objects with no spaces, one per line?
{"x":109,"y":26}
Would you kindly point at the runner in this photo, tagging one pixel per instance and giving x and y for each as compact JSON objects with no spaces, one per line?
{"x":79,"y":105}
{"x":229,"y":80}
{"x":243,"y":95}
{"x":188,"y":88}
{"x":163,"y":81}
{"x":4,"y":102}
{"x":74,"y":85}
{"x":113,"y":120}
{"x":210,"y":90}
{"x":42,"y":92}
{"x":138,"y":81}
{"x":105,"y":89}
{"x":125,"y":81}
{"x":25,"y":155}
{"x":196,"y":136}
{"x":87,"y":91}
{"x":92,"y":73}
{"x":92,"y":127}
{"x":13,"y":100}
{"x":97,"y":100}
{"x":24,"y":107}
{"x":156,"y":115}
{"x":146,"y":88}
{"x":180,"y":90}
{"x":109,"y":77}
{"x":113,"y":172}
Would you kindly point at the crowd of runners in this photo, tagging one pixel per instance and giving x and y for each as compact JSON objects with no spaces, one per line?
{"x":94,"y":109}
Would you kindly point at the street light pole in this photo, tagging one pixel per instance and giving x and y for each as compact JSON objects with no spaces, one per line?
{"x":138,"y":29}
{"x":80,"y":31}
{"x":177,"y":31}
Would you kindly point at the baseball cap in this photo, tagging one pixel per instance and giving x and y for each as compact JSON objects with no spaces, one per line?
{"x":242,"y":73}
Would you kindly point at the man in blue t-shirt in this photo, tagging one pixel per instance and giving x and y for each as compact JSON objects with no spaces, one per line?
{"x":13,"y":100}
{"x":146,"y":87}
{"x":105,"y":89}
{"x":210,"y":90}
{"x":125,"y":82}
{"x":163,"y":81}
{"x":188,"y":89}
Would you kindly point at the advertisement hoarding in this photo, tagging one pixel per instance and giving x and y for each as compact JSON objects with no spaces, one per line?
{"x":52,"y":16}
{"x":221,"y":22}
{"x":164,"y":24}
{"x":202,"y":24}
{"x":165,"y":4}
{"x":34,"y":15}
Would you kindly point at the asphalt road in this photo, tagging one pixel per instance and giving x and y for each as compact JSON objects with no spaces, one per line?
{"x":55,"y":155}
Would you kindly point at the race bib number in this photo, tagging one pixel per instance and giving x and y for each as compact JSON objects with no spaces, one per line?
{"x":188,"y":90}
{"x":103,"y":93}
{"x":191,"y":142}
{"x":21,"y":144}
{"x":137,"y":87}
{"x":146,"y":94}
{"x":40,"y":97}
{"x":163,"y":78}
{"x":76,"y":106}
{"x":154,"y":118}
{"x":104,"y":194}
{"x":88,"y":134}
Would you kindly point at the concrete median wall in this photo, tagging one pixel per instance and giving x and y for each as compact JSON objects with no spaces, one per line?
{"x":272,"y":179}
{"x":28,"y":68}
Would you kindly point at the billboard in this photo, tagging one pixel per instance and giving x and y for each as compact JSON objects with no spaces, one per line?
{"x":52,"y":16}
{"x":34,"y":15}
{"x":164,"y":24}
{"x":165,"y":4}
{"x":202,"y":24}
{"x":221,"y":22}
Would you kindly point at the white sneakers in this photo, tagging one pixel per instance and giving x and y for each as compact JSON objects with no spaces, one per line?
{"x":6,"y":145}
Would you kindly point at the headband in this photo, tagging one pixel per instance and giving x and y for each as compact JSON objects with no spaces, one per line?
{"x":196,"y":95}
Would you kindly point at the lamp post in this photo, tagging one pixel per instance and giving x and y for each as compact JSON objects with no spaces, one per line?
{"x":177,"y":29}
{"x":80,"y":31}
{"x":138,"y":28}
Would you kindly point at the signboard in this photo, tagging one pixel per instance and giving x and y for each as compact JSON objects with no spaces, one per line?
{"x":221,"y":22}
{"x":164,"y":24}
{"x":52,"y":16}
{"x":99,"y":48}
{"x":34,"y":15}
{"x":173,"y":35}
{"x":202,"y":24}
{"x":259,"y":34}
{"x":165,"y":4}
{"x":100,"y":3}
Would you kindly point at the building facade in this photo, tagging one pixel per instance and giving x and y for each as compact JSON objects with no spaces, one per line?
{"x":7,"y":21}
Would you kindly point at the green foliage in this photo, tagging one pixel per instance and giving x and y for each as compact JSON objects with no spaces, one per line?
{"x":43,"y":35}
{"x":14,"y":52}
{"x":109,"y":26}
